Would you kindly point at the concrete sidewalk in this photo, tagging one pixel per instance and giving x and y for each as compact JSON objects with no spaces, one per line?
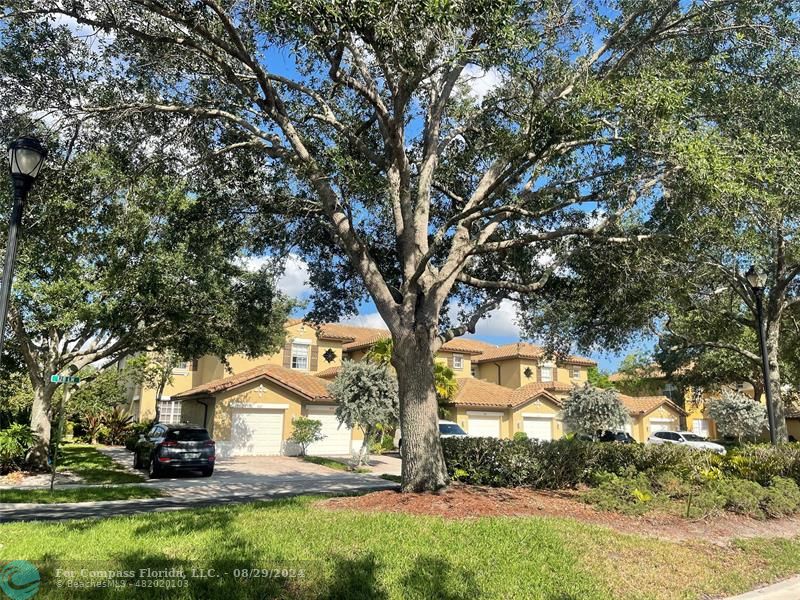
{"x":789,"y":589}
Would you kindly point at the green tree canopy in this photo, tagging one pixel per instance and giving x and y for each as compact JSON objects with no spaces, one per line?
{"x":427,"y":155}
{"x":738,"y":416}
{"x":366,"y":397}
{"x":589,"y":410}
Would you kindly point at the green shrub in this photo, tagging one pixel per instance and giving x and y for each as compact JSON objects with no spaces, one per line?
{"x":672,"y":485}
{"x":512,"y":463}
{"x":739,"y":496}
{"x":305,"y":432}
{"x":15,"y":441}
{"x":762,"y":462}
{"x":569,"y":462}
{"x":520,"y":436}
{"x":781,"y":497}
{"x":137,"y":429}
{"x":629,"y":495}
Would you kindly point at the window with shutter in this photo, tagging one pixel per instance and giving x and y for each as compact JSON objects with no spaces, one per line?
{"x":287,"y":355}
{"x":314,"y":362}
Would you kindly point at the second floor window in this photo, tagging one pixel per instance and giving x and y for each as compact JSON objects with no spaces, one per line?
{"x":181,"y":366}
{"x":546,"y":373}
{"x":300,"y":356}
{"x":458,"y":362}
{"x":575,"y":372}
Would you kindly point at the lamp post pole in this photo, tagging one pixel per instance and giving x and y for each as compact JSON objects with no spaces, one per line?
{"x":25,"y":156}
{"x":20,"y":194}
{"x":757,"y":282}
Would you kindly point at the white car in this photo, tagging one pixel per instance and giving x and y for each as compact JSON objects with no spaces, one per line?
{"x":447,"y":429}
{"x":685,"y":438}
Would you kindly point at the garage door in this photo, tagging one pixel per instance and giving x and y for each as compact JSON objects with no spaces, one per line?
{"x":538,"y":428}
{"x":337,"y":439}
{"x":701,"y":427}
{"x":256,"y":432}
{"x":484,"y":425}
{"x":661,"y":425}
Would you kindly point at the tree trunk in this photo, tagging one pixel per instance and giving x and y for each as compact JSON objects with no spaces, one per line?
{"x":423,"y":463}
{"x":40,"y":423}
{"x":773,"y":339}
{"x":363,"y":452}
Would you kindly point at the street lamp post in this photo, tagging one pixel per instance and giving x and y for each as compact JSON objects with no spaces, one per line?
{"x":757,"y":282}
{"x":25,"y":158}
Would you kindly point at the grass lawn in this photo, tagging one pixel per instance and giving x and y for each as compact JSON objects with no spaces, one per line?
{"x":353,"y":555}
{"x":79,"y":494}
{"x":92,"y":465}
{"x":326,"y":462}
{"x":332,"y":463}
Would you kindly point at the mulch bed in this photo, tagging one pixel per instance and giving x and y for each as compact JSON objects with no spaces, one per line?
{"x":466,"y":502}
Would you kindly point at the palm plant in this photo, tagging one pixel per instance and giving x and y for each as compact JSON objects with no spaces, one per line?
{"x":444,"y":378}
{"x":381,"y":351}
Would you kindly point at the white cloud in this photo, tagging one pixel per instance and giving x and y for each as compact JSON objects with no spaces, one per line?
{"x":373,"y":320}
{"x":293,"y":282}
{"x":481,"y":82}
{"x":500,"y":323}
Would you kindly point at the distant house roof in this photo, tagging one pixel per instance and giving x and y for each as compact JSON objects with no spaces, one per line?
{"x":526,"y":350}
{"x":329,"y":373}
{"x":475,"y":392}
{"x":307,"y":386}
{"x":643,"y":405}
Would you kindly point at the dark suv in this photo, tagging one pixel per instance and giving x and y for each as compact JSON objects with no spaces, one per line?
{"x":172,"y":447}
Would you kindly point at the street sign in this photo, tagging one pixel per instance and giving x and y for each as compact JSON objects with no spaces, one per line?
{"x":64,"y":379}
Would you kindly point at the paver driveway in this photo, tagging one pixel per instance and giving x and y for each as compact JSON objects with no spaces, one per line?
{"x":241,"y":479}
{"x":257,"y":474}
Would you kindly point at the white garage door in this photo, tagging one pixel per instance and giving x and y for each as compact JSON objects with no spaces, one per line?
{"x":337,"y":439}
{"x":701,"y":427}
{"x":661,"y":425}
{"x":256,"y":432}
{"x":484,"y":425}
{"x":538,"y":428}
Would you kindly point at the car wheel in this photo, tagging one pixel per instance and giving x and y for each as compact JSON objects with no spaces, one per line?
{"x":208,"y":471}
{"x":154,"y":470}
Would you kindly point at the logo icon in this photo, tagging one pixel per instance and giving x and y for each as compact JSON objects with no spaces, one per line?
{"x":19,"y":580}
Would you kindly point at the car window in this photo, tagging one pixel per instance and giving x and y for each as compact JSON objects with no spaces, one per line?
{"x":662,"y":435}
{"x":155,"y":432}
{"x":451,"y":429}
{"x":691,"y":437}
{"x":188,"y":435}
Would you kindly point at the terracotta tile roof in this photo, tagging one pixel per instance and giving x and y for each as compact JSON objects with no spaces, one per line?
{"x":308,"y":386}
{"x":329,"y":373}
{"x":642,"y":405}
{"x":466,"y":346}
{"x":476,"y":392}
{"x":532,"y":390}
{"x":526,"y":350}
{"x":552,"y":386}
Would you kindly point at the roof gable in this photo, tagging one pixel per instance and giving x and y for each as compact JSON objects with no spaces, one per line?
{"x":303,"y":384}
{"x":644,"y":405}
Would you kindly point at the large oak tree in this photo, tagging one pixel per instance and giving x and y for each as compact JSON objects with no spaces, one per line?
{"x":733,"y":205}
{"x":398,"y":172}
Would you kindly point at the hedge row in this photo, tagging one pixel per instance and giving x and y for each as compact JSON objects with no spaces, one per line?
{"x":567,"y":463}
